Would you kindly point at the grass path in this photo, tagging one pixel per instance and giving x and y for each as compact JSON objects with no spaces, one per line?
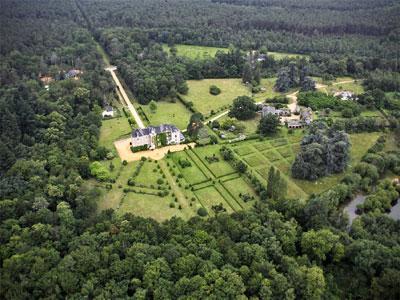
{"x":176,"y":190}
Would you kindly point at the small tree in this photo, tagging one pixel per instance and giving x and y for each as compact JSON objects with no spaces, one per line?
{"x":214,"y":90}
{"x":268,"y":124}
{"x":202,"y":212}
{"x":153,"y":106}
{"x":243,"y":108}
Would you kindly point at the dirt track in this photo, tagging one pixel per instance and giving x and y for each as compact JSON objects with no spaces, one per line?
{"x":125,"y":153}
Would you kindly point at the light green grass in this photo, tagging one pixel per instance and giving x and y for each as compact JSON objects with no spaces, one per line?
{"x":255,"y":160}
{"x":219,"y":168}
{"x":191,"y":174}
{"x":239,"y":186}
{"x":168,"y":113}
{"x":272,"y":155}
{"x":195,"y":52}
{"x":112,"y":130}
{"x":262,"y":146}
{"x":209,"y":196}
{"x":244,"y":150}
{"x":149,"y":206}
{"x":360,"y":143}
{"x":372,"y":114}
{"x":283,"y":55}
{"x":267,"y":84}
{"x":149,"y":174}
{"x":204,"y":102}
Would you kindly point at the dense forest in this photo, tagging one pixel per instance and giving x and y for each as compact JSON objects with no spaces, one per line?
{"x":54,"y":243}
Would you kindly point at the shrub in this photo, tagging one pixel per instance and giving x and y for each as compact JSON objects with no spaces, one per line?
{"x":202,"y":212}
{"x":124,"y":162}
{"x":172,"y":205}
{"x":214,"y":90}
{"x":160,"y":181}
{"x":99,"y":171}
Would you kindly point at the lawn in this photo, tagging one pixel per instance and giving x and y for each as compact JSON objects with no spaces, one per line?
{"x":209,"y":196}
{"x":285,"y":152}
{"x":269,"y":92}
{"x":149,"y":174}
{"x":149,"y":206}
{"x":282,"y":55}
{"x":262,"y":146}
{"x":271,"y":155}
{"x":218,"y":168}
{"x":250,"y":126}
{"x":195,"y":52}
{"x":239,"y":186}
{"x":204,"y":102}
{"x":244,"y":150}
{"x":168,"y":113}
{"x":279,"y":142}
{"x":255,"y":160}
{"x":191,"y":174}
{"x":360,"y":143}
{"x":112,"y":130}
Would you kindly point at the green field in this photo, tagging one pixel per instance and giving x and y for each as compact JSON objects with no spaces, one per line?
{"x":192,"y":174}
{"x":282,"y":55}
{"x":112,"y":130}
{"x":219,"y":168}
{"x":267,"y":84}
{"x":195,"y":52}
{"x":204,"y":102}
{"x":209,"y":196}
{"x":199,"y":52}
{"x":168,"y":113}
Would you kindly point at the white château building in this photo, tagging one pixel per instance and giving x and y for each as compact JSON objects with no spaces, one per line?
{"x":153,"y":136}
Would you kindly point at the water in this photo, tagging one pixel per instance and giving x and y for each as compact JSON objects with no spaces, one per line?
{"x":352,"y":207}
{"x":395,"y":211}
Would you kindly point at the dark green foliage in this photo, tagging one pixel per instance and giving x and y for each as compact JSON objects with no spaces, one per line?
{"x":323,"y":152}
{"x":195,"y":124}
{"x":202,"y":212}
{"x":214,"y":90}
{"x":243,"y":108}
{"x":184,"y":163}
{"x":268,"y":124}
{"x":139,"y":148}
{"x":319,"y":100}
{"x":277,"y":186}
{"x":226,"y":153}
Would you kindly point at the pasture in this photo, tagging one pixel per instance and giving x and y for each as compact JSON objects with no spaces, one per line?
{"x":204,"y":102}
{"x":112,"y":130}
{"x":168,"y":113}
{"x":195,"y":52}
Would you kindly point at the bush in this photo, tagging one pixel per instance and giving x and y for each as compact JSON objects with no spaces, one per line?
{"x":172,"y":205}
{"x":139,"y":148}
{"x":214,"y":90}
{"x":160,"y":181}
{"x":99,"y":171}
{"x":202,"y":212}
{"x":124,"y":162}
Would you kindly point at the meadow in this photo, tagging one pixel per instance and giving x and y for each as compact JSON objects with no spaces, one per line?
{"x":112,"y":130}
{"x":199,"y":52}
{"x":204,"y":102}
{"x":195,"y":52}
{"x":168,"y":113}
